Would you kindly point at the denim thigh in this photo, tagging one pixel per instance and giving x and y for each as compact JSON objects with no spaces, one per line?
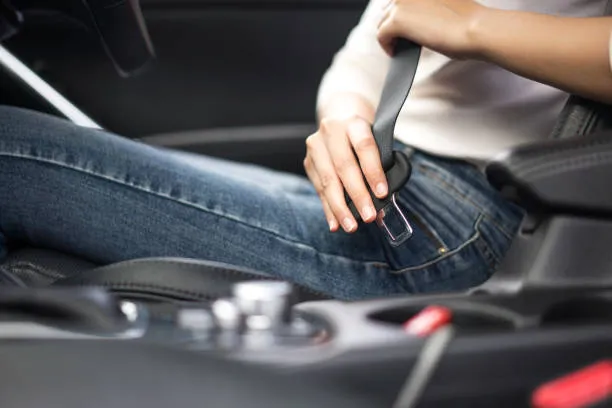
{"x":107,"y":199}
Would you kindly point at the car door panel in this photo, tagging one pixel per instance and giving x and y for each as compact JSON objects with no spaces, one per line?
{"x":280,"y":147}
{"x":219,"y":64}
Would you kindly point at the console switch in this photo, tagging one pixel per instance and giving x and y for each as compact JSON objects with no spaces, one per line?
{"x":590,"y":387}
{"x":428,"y":321}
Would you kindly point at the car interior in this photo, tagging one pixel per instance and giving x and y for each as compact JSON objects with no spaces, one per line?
{"x":203,"y":76}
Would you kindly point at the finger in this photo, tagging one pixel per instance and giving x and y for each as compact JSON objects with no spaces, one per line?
{"x":387,"y":32}
{"x":331,"y":219}
{"x":386,"y":10}
{"x":316,"y":182}
{"x":364,"y":145}
{"x":348,"y":170}
{"x":331,"y":185}
{"x":387,"y":4}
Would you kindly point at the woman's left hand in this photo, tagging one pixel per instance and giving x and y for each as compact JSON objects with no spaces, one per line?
{"x":444,"y":26}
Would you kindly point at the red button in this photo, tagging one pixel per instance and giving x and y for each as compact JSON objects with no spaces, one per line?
{"x":580,"y":389}
{"x":428,"y":321}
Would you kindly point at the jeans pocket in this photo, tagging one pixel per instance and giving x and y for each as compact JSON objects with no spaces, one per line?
{"x":442,"y":224}
{"x":419,"y":222}
{"x":462,"y":227}
{"x":443,"y":253}
{"x":467,"y":265}
{"x":469,"y":188}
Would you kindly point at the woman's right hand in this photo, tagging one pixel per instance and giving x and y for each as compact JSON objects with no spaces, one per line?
{"x":338,"y":155}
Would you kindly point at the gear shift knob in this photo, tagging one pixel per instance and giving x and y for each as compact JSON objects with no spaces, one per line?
{"x":265,"y":305}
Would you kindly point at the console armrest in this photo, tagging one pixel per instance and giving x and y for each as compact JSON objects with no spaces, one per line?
{"x":568,"y":175}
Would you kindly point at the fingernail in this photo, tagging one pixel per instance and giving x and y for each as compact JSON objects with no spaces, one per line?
{"x":348,"y":224}
{"x":381,"y":189}
{"x":332,"y":225}
{"x":368,"y":212}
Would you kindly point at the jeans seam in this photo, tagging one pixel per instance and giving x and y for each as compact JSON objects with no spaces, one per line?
{"x":187,"y":203}
{"x":475,"y":236}
{"x":451,"y":189}
{"x":491,"y":258}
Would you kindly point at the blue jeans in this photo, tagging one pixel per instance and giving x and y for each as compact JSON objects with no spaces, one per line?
{"x":108,"y":199}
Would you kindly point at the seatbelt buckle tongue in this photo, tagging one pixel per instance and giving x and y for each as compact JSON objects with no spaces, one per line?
{"x":393,"y":222}
{"x":390,"y":217}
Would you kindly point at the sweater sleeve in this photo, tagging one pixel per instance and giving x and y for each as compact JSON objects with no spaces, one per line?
{"x":361,"y":65}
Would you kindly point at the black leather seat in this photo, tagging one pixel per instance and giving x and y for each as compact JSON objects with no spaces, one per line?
{"x":156,"y":279}
{"x":151,"y":279}
{"x":31,"y":266}
{"x":173,"y":279}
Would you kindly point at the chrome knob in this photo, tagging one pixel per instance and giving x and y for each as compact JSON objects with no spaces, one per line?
{"x":199,"y":320}
{"x":227,"y":314}
{"x":229,"y":321}
{"x":265,"y":305}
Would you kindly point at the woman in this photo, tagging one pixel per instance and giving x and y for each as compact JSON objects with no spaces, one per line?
{"x":479,"y":90}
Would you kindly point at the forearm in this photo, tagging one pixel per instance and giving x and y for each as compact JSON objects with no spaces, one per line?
{"x":347,"y":105}
{"x":353,"y":83}
{"x":568,"y":53}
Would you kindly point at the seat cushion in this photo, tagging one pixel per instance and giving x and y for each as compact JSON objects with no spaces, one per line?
{"x":175,"y":280}
{"x":40,"y":267}
{"x":157,"y":279}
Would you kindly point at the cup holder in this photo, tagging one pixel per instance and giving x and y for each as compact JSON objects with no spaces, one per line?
{"x":582,"y":311}
{"x":464,"y":318}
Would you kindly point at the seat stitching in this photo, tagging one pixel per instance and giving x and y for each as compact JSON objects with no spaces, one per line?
{"x":218,"y":271}
{"x":556,"y":149}
{"x":142,"y":286}
{"x":180,"y":265}
{"x":564,"y":164}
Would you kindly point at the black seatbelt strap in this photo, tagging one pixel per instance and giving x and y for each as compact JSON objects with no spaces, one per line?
{"x":395,"y":91}
{"x":396,"y":165}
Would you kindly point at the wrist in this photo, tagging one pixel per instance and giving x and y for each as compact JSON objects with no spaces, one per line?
{"x":345,"y":106}
{"x":480,"y":27}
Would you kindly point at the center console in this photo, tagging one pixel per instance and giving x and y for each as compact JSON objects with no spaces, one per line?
{"x":499,"y":350}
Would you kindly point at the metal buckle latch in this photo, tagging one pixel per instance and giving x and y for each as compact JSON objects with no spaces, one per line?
{"x":393,"y":222}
